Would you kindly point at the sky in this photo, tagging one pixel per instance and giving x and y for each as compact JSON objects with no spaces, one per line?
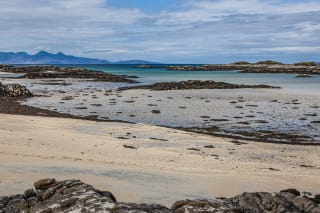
{"x":167,"y":31}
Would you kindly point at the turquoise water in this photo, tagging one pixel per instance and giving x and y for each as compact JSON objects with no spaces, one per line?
{"x":288,"y":82}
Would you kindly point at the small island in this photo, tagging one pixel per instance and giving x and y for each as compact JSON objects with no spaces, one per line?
{"x":259,"y":67}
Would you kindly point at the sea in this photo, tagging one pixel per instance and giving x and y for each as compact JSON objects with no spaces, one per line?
{"x":288,"y":82}
{"x":293,"y":109}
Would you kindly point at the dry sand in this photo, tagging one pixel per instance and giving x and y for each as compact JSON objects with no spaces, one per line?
{"x":161,"y":169}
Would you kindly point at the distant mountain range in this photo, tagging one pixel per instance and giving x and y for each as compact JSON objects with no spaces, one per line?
{"x":44,"y":57}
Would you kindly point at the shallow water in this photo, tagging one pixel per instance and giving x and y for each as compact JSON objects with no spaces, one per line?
{"x":292,"y":109}
{"x":289,"y":82}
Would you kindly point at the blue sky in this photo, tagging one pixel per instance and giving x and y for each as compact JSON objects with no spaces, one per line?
{"x":170,"y":31}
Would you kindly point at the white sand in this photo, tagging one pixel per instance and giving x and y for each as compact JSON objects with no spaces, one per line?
{"x":158,"y":171}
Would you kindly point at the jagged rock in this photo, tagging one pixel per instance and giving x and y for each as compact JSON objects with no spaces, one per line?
{"x":14,"y":90}
{"x":51,"y":196}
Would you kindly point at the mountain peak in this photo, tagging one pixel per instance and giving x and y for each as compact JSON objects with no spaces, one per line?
{"x":42,"y":52}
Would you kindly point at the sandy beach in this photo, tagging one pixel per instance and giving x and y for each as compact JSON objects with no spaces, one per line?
{"x":160,"y":164}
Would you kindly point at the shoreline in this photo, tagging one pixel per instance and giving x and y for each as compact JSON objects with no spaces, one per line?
{"x":146,"y":162}
{"x":174,"y":163}
{"x":83,"y":99}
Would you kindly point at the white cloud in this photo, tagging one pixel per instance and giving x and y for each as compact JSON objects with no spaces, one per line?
{"x":199,"y":28}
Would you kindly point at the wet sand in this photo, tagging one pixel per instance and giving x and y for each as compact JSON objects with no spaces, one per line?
{"x":249,"y":110}
{"x":143,"y":163}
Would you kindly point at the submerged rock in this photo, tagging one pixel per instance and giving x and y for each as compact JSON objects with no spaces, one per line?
{"x":51,"y":196}
{"x":14,"y":90}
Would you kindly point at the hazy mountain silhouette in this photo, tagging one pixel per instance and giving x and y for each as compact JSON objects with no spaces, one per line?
{"x":44,"y":57}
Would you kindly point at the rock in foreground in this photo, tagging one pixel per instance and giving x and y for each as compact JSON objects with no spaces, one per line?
{"x":14,"y":90}
{"x":50,"y":196}
{"x":195,"y":84}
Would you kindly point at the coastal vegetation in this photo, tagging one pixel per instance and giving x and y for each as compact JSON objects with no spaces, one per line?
{"x":241,"y":63}
{"x":310,"y":63}
{"x":269,"y":62}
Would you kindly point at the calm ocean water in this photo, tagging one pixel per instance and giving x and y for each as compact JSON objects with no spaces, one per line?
{"x":289,"y":82}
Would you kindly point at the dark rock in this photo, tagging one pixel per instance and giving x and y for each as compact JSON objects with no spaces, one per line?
{"x":29,"y":193}
{"x":76,"y":196}
{"x":209,"y":147}
{"x":305,"y":204}
{"x":194,"y":84}
{"x":292,"y":191}
{"x":317,"y":198}
{"x":44,"y":184}
{"x":129,"y":147}
{"x":193,"y":149}
{"x":155,"y":111}
{"x":14,"y":90}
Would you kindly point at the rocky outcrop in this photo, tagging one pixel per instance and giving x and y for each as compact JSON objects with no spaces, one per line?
{"x":253,"y":68}
{"x":51,"y":196}
{"x":40,"y":72}
{"x":14,"y":90}
{"x":195,"y":84}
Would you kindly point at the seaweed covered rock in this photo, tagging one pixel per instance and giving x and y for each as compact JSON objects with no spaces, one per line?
{"x":14,"y":90}
{"x":196,"y":84}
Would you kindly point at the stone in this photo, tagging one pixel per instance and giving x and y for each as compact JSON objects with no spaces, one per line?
{"x":155,"y":111}
{"x":292,"y":191}
{"x":14,"y":90}
{"x":317,"y":198}
{"x":44,"y":184}
{"x":76,"y":196}
{"x":194,"y":84}
{"x":29,"y":193}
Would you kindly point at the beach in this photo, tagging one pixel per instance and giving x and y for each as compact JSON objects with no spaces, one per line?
{"x":151,"y":141}
{"x":166,"y":165}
